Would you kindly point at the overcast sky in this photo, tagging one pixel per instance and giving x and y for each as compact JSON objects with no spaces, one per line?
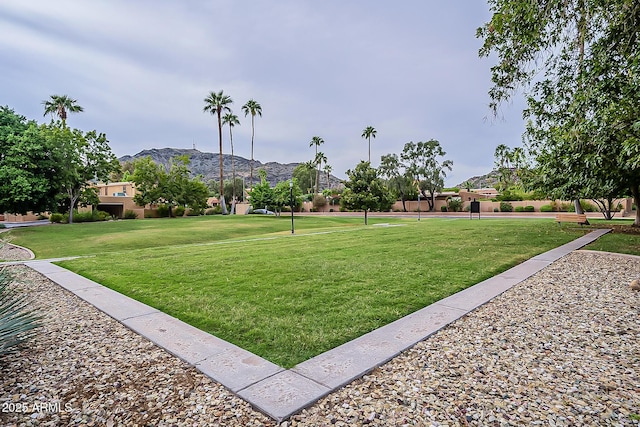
{"x":330,"y":68}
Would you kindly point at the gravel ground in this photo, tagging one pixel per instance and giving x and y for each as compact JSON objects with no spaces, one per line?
{"x":559,"y":349}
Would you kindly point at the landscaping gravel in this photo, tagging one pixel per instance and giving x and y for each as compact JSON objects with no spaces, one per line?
{"x":559,"y":349}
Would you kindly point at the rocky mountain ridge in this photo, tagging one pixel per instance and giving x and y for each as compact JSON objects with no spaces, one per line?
{"x":207,"y":165}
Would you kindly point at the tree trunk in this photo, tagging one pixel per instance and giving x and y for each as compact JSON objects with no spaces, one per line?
{"x":579,"y":209}
{"x":366,"y":222}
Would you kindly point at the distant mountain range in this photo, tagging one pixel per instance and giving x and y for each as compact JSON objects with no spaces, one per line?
{"x":484,"y":181}
{"x":207,"y":165}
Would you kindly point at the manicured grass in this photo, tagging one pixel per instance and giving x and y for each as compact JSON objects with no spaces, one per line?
{"x":63,"y":240}
{"x":624,"y":238}
{"x":292,"y":297}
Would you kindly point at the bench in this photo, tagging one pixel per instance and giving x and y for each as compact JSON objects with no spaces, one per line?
{"x":571,"y":217}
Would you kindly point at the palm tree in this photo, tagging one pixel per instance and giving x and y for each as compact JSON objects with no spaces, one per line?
{"x":320,"y":158}
{"x":59,"y":105}
{"x":216,"y":103}
{"x":253,"y":108}
{"x":316,"y":141}
{"x":310,"y":166}
{"x":327,"y":169}
{"x":231,"y":120}
{"x":367,"y":133}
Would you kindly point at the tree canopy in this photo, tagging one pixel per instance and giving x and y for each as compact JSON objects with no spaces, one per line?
{"x":365,"y":190}
{"x":577,"y":62}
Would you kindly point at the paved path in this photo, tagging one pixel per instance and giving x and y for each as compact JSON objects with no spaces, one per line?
{"x":273,"y":390}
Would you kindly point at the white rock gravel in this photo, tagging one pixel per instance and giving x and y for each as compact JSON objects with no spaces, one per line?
{"x":560,"y":349}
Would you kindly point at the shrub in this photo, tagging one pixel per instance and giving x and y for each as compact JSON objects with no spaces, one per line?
{"x":216,"y":210}
{"x":163,"y":211}
{"x":496,"y":210}
{"x":319,"y":201}
{"x":509,"y":196}
{"x":129,"y":214}
{"x":57,"y":218}
{"x":178,"y":211}
{"x":195,"y":212}
{"x":519,"y":209}
{"x":17,"y":322}
{"x":506,"y":207}
{"x":443,"y":208}
{"x":2,"y":226}
{"x":546,"y":208}
{"x":529,"y":208}
{"x":455,"y":204}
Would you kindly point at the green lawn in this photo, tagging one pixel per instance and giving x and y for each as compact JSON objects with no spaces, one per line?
{"x":289,"y":298}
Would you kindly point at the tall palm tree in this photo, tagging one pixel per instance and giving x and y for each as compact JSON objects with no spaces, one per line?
{"x":231,"y":120}
{"x":60,"y":105}
{"x":253,"y":108}
{"x":320,"y":158}
{"x":310,"y":166}
{"x":327,"y":169}
{"x":316,"y":141}
{"x":216,"y":103}
{"x":368,"y":133}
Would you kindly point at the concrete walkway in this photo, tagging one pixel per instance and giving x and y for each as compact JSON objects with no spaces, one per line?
{"x":271,"y":389}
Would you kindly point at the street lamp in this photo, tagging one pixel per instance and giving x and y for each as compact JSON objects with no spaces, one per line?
{"x":291,"y":202}
{"x":418,"y":206}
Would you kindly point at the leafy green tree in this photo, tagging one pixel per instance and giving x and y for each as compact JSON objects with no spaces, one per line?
{"x":303,"y":175}
{"x":28,"y":167}
{"x":175,"y":187}
{"x":282,"y":195}
{"x":368,"y":133}
{"x":365,"y":190}
{"x":578,"y":61}
{"x":230,"y":190}
{"x":60,"y":105}
{"x":231,"y":120}
{"x":253,"y":108}
{"x":401,"y":183}
{"x":423,"y":165}
{"x":216,"y":104}
{"x":262,"y":195}
{"x":149,"y":179}
{"x":82,"y":159}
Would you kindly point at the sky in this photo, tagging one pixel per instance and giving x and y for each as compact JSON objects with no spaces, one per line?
{"x":141,"y":70}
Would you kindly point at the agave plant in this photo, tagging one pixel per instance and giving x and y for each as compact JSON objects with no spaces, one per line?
{"x":17,"y":322}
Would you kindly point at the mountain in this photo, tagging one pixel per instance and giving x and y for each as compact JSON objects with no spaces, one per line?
{"x":483,"y":181}
{"x":207,"y":165}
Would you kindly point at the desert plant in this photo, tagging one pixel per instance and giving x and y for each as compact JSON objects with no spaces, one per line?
{"x":455,"y":204}
{"x":129,"y":214}
{"x":18,"y":323}
{"x":506,"y":207}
